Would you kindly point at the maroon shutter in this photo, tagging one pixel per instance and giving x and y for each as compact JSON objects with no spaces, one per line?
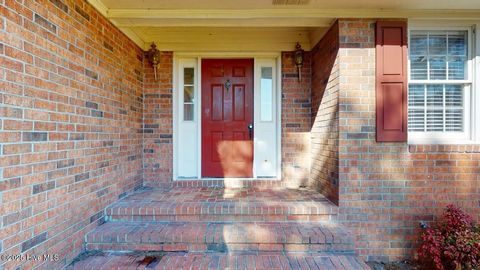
{"x":391,"y":81}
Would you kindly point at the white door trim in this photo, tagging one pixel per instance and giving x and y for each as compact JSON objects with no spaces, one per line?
{"x":195,"y":56}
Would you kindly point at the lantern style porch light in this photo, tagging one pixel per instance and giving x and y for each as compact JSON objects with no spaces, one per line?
{"x":298,"y":56}
{"x":153,"y":56}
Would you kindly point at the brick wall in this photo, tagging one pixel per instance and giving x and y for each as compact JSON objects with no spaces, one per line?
{"x":70,"y":127}
{"x":81,"y":110}
{"x":386,"y":189}
{"x":158,"y":122}
{"x":296,"y":121}
{"x":324,"y":132}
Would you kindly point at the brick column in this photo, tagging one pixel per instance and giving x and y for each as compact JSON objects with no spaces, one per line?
{"x":158,"y":122}
{"x":296,"y":121}
{"x":324,"y":132}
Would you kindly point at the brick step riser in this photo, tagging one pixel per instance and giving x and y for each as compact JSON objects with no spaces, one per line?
{"x":196,"y":247}
{"x":224,"y":218}
{"x":221,"y":209}
{"x":225,"y":183}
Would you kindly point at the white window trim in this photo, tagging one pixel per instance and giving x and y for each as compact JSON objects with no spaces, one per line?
{"x":476,"y":87}
{"x":472,"y":108}
{"x":266,"y":155}
{"x":185,"y":131}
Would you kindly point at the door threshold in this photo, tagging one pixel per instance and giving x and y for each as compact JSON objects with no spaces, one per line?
{"x":228,"y":179}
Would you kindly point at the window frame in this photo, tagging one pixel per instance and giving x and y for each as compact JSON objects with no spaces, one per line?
{"x":469,"y":94}
{"x":182,"y":86}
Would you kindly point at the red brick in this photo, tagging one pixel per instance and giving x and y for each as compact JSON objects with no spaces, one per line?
{"x":10,"y":137}
{"x":17,"y":148}
{"x":47,"y":98}
{"x":402,"y":183}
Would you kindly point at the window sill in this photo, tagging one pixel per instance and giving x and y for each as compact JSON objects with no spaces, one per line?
{"x":441,"y":141}
{"x":444,"y":148}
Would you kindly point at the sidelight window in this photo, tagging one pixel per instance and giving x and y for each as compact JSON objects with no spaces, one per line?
{"x":266,"y":94}
{"x":188,"y":94}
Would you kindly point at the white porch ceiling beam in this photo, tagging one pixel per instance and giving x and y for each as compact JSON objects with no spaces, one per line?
{"x":288,"y":13}
{"x":257,"y":22}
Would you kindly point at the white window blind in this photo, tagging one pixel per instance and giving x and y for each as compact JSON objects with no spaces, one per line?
{"x":435,"y":108}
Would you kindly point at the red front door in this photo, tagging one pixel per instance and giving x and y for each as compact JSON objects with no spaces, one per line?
{"x":227,"y":117}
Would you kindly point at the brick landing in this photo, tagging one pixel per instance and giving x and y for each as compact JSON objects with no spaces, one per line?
{"x":223,"y":204}
{"x":213,"y":261}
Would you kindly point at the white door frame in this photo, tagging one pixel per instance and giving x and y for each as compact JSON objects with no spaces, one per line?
{"x":198,"y":56}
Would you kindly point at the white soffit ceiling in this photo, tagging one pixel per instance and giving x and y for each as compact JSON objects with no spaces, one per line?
{"x":265,"y":39}
{"x":190,"y":24}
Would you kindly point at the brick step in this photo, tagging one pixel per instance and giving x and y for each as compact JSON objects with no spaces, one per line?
{"x":223,"y":204}
{"x":220,"y":237}
{"x":222,"y":211}
{"x":213,"y":261}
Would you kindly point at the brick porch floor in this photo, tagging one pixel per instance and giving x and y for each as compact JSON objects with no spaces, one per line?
{"x":212,"y":261}
{"x":217,"y":224}
{"x":223,"y":204}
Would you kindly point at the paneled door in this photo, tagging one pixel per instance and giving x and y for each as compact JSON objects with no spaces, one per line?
{"x":227,"y":118}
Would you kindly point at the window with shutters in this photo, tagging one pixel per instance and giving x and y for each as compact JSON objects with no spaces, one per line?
{"x":440,"y":83}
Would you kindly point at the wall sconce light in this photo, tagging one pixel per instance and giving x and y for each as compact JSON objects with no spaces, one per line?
{"x":153,"y":56}
{"x":298,"y":56}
